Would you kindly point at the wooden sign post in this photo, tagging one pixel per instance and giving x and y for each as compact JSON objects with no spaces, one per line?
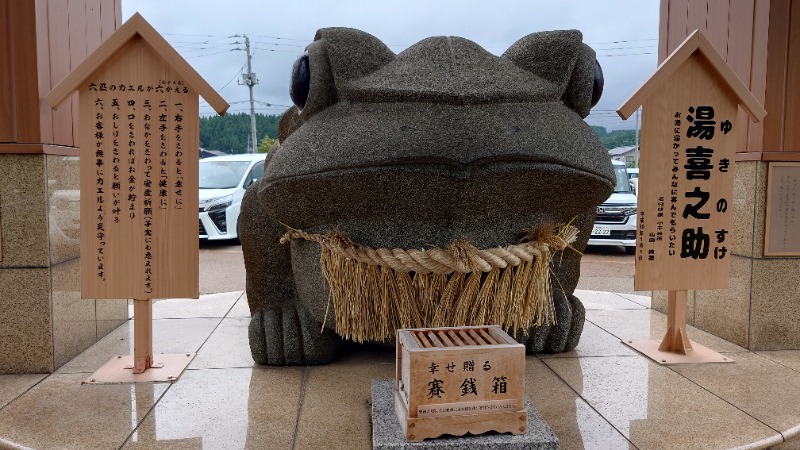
{"x":139,"y":139}
{"x":685,"y":197}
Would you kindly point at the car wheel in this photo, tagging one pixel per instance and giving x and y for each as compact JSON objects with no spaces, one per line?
{"x":630,"y":250}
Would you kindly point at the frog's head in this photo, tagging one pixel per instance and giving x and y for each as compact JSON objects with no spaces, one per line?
{"x":344,"y":64}
{"x":438,"y":139}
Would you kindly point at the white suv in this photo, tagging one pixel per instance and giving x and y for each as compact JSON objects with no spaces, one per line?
{"x":615,"y":223}
{"x":223,"y":180}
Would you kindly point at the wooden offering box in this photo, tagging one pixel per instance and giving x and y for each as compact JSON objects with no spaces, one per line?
{"x":459,"y":380}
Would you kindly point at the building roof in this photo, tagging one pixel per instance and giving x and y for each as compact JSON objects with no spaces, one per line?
{"x":621,"y":150}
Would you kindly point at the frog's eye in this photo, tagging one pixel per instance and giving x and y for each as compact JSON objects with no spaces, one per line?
{"x":301,"y":82}
{"x":597,"y":87}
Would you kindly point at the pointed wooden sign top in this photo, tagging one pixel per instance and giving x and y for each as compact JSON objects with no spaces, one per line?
{"x":136,"y":26}
{"x":695,"y":43}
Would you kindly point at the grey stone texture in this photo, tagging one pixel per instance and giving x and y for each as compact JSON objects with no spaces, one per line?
{"x":387,"y":433}
{"x":441,"y":142}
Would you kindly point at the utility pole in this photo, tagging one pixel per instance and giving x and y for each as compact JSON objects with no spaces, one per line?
{"x":636,"y":150}
{"x":250,"y":80}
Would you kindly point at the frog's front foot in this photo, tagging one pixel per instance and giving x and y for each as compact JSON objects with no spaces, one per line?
{"x":561,"y":336}
{"x":290,"y":335}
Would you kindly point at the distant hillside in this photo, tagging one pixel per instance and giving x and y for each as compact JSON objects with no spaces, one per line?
{"x":230,"y":133}
{"x":615,"y":138}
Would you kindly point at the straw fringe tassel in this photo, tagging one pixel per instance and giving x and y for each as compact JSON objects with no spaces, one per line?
{"x":370,"y":301}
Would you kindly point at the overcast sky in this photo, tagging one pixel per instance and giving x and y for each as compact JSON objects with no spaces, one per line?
{"x":624,"y":33}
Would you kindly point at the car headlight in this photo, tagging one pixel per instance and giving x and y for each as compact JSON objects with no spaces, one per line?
{"x":216,"y":204}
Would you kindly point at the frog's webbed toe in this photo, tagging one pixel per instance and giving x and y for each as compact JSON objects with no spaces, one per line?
{"x":561,"y":336}
{"x":289,"y":335}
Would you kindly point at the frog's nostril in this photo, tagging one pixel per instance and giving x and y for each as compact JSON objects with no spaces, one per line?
{"x":301,"y":82}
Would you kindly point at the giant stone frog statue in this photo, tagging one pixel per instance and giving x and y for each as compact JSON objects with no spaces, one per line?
{"x":440,"y":143}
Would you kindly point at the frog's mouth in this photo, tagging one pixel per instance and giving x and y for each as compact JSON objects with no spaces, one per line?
{"x":431,"y":173}
{"x":412,"y":203}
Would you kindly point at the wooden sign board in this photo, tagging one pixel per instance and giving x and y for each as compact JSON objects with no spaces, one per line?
{"x":139,"y":184}
{"x":782,"y":228}
{"x":685,"y":198}
{"x":139,"y":137}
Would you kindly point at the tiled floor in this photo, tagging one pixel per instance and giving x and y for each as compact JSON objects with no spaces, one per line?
{"x":602,"y":395}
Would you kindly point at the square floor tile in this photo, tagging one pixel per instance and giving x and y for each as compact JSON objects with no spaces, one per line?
{"x":575,"y":423}
{"x":208,"y":305}
{"x":169,"y":336}
{"x":225,"y":409}
{"x":227,"y":347}
{"x":655,"y":407}
{"x":240,"y":308}
{"x":651,"y":324}
{"x":594,"y":341}
{"x":60,"y":413}
{"x":742,"y":384}
{"x":336,"y":409}
{"x":605,"y":300}
{"x":12,"y":386}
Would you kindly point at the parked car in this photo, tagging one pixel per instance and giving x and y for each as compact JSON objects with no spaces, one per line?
{"x":615,"y":223}
{"x":633,"y":179}
{"x":223,"y":181}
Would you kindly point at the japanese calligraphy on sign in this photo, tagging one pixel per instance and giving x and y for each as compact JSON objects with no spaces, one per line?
{"x":782,"y":230}
{"x":144,"y":224}
{"x":684,"y":214}
{"x":139,"y":139}
{"x":685,"y":194}
{"x":685,"y":198}
{"x":461,"y":380}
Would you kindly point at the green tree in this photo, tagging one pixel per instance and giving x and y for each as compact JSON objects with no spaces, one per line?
{"x":230,"y":133}
{"x":266,"y":144}
{"x":615,"y":138}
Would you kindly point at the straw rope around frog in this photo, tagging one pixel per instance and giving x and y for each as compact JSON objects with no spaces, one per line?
{"x":376,"y":291}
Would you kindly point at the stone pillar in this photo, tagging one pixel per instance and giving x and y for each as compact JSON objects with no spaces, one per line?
{"x":43,"y":321}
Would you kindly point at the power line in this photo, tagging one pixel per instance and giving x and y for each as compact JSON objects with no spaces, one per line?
{"x":234,"y":77}
{"x":622,"y":41}
{"x":201,"y":35}
{"x":625,"y":48}
{"x":279,"y":45}
{"x":276,"y":51}
{"x":629,"y":54}
{"x":209,"y":54}
{"x":281,"y":38}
